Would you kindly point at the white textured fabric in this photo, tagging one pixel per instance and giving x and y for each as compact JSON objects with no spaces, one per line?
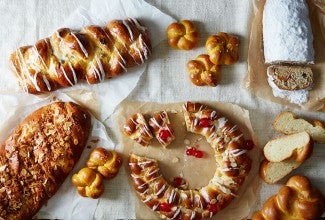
{"x":166,"y":79}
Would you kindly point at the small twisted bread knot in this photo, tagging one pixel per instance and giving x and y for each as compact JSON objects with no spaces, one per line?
{"x":138,"y":130}
{"x":296,"y":200}
{"x":222,"y":48}
{"x":92,"y":54}
{"x":105,"y":162}
{"x":203,"y":72}
{"x":89,"y":183}
{"x":182,"y":35}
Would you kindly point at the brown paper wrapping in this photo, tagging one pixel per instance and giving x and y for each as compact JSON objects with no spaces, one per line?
{"x":256,"y":77}
{"x":173,"y":161}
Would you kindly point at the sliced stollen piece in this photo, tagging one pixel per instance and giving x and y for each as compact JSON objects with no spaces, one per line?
{"x":161,"y":128}
{"x":291,"y":77}
{"x":298,"y":146}
{"x":288,"y":123}
{"x":272,"y":172}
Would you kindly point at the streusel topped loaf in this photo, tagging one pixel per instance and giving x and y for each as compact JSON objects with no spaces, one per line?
{"x":38,"y":155}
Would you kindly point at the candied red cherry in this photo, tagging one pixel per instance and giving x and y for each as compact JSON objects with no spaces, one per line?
{"x":191,"y":151}
{"x":205,"y":122}
{"x":164,"y":135}
{"x":178,"y":181}
{"x":213,"y":208}
{"x":249,"y":144}
{"x":198,"y":154}
{"x":165,"y":207}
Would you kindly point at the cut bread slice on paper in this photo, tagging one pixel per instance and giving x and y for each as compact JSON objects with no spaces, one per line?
{"x":288,"y":123}
{"x":272,"y":172}
{"x":291,"y":77}
{"x":298,"y":146}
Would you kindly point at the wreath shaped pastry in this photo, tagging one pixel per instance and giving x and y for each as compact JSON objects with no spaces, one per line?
{"x":232,"y":162}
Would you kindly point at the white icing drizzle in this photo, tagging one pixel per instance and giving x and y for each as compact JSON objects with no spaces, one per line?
{"x":152,"y":172}
{"x":80,"y":45}
{"x":144,"y":47}
{"x":123,"y":60}
{"x":176,"y":213}
{"x":147,"y":199}
{"x":66,"y":76}
{"x":38,"y":55}
{"x":193,"y":214}
{"x":221,"y":122}
{"x":237,"y":152}
{"x":154,"y":208}
{"x":138,"y":25}
{"x":172,"y":196}
{"x":129,"y":29}
{"x":101,"y":68}
{"x":33,"y":79}
{"x":160,"y":190}
{"x":47,"y":83}
{"x":73,"y":73}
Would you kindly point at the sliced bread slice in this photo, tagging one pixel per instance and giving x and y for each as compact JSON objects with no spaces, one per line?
{"x":298,"y":146}
{"x":288,"y":123}
{"x":291,"y":77}
{"x":272,"y":172}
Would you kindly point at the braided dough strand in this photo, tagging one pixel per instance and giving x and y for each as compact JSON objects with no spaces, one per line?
{"x":92,"y":54}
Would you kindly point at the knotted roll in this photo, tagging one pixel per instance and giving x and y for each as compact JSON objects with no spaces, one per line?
{"x":93,"y":54}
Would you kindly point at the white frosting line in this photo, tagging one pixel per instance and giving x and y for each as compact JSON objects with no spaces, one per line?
{"x":80,"y":45}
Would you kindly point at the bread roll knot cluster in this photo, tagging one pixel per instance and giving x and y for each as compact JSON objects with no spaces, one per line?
{"x":298,"y":199}
{"x":203,"y":72}
{"x":107,"y":163}
{"x":223,"y":48}
{"x":89,"y":183}
{"x":182,"y":35}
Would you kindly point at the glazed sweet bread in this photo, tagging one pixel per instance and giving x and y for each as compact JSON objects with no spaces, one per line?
{"x":89,"y":183}
{"x":106,"y":162}
{"x":38,"y":156}
{"x":182,"y":35}
{"x":138,"y":130}
{"x":91,"y":55}
{"x":161,"y":128}
{"x":203,"y":72}
{"x":297,"y":200}
{"x":232,"y":162}
{"x":289,"y":123}
{"x":223,"y":48}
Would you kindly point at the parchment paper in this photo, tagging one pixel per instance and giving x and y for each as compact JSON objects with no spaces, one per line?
{"x":256,"y":77}
{"x":110,"y":92}
{"x":66,"y":203}
{"x":173,"y":161}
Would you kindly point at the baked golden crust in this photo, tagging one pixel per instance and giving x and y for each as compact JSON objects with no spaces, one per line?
{"x":137,"y":129}
{"x":161,"y":128}
{"x":297,"y":200}
{"x":203,"y":72}
{"x":38,"y":155}
{"x":89,"y":183}
{"x":105,"y":162}
{"x":182,"y":35}
{"x":223,"y":48}
{"x":91,"y":55}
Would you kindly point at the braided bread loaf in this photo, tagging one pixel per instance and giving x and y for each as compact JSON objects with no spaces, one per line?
{"x":233,"y":165}
{"x":93,"y":54}
{"x":297,"y":200}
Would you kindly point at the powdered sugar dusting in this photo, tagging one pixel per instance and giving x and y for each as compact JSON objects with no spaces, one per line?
{"x":287,"y":33}
{"x":294,"y":96}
